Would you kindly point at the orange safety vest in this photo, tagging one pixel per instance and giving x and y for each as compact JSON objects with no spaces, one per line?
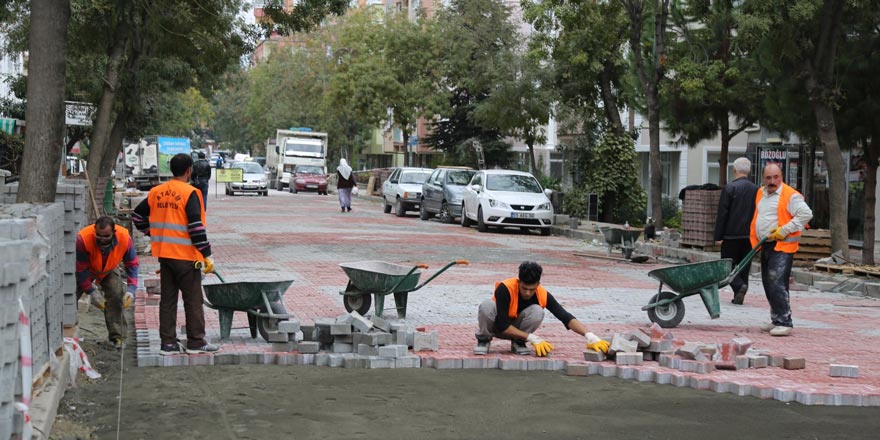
{"x":513,"y":287}
{"x":791,"y":243}
{"x":98,"y":267}
{"x":169,"y":234}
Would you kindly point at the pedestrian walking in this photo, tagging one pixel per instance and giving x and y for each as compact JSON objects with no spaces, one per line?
{"x":780,"y":215}
{"x":173,"y":215}
{"x":516,"y":310}
{"x":735,"y":211}
{"x":100,"y":248}
{"x":201,"y":175}
{"x":344,"y":184}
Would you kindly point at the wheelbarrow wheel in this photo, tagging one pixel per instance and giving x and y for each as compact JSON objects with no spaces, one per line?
{"x":270,"y":325}
{"x":669,"y":315}
{"x":357,"y":303}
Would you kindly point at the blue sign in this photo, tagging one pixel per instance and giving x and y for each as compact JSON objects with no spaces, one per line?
{"x":172,"y":146}
{"x":300,"y":129}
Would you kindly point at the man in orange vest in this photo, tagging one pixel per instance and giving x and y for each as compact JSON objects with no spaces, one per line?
{"x":516,"y":311}
{"x":99,"y":250}
{"x":780,"y":215}
{"x":173,"y":215}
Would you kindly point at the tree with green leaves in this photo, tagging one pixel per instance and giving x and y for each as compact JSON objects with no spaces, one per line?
{"x":389,"y":70}
{"x":610,"y":172}
{"x":714,"y":79}
{"x":43,"y":141}
{"x":648,"y":40}
{"x":800,"y":39}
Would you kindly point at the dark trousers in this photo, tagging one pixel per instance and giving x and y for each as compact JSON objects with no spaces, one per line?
{"x":203,"y":187}
{"x":112,"y":288}
{"x":179,"y":276}
{"x":775,"y":273}
{"x":737,"y":249}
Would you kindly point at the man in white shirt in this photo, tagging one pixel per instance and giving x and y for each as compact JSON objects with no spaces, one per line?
{"x":780,"y":215}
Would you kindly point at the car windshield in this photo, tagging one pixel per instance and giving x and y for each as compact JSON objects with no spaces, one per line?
{"x":512,"y":183}
{"x":459,"y":177}
{"x":249,"y":167}
{"x":309,"y":169}
{"x":415,"y":177}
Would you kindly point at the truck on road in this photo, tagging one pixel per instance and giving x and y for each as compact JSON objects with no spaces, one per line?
{"x":147,"y":161}
{"x":292,"y":147}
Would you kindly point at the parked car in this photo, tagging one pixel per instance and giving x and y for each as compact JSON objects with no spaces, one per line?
{"x":260,"y":160}
{"x":441,"y":193}
{"x":506,"y":198}
{"x":253,"y":181}
{"x":308,"y":178}
{"x":403,"y":189}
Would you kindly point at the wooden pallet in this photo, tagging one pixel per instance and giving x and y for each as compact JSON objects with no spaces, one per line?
{"x":710,"y":247}
{"x":834,"y":268}
{"x":867,"y":271}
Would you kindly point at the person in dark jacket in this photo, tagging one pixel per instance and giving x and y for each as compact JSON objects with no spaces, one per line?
{"x":201,"y":175}
{"x":344,"y":184}
{"x":735,"y":211}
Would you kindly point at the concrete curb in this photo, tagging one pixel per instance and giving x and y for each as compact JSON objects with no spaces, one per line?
{"x":44,"y":407}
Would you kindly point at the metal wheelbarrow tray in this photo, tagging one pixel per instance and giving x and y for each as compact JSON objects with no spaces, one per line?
{"x":260,"y":299}
{"x":667,"y":309}
{"x":379,"y":278}
{"x":624,"y":238}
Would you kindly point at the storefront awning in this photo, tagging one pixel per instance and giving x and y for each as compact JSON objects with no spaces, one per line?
{"x":7,"y":125}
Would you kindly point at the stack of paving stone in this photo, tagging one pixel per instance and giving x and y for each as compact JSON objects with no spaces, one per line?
{"x":633,"y":348}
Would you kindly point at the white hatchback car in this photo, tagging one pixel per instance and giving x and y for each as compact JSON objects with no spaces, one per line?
{"x":506,"y":198}
{"x":403,"y":189}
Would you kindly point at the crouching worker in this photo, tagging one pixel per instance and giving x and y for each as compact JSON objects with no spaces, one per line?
{"x":99,"y":250}
{"x":521,"y":302}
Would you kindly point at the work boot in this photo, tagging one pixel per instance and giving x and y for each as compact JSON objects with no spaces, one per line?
{"x":740,"y":295}
{"x":482,"y":346}
{"x":520,"y":347}
{"x":169,"y":349}
{"x":780,"y":331}
{"x":118,"y":343}
{"x":767,"y":327}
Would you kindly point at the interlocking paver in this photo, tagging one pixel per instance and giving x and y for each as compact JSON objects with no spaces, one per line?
{"x":304,"y":238}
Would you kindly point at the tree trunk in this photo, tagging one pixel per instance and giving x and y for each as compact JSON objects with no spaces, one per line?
{"x":104,"y":114}
{"x":724,"y":130}
{"x":533,"y":165}
{"x":409,"y":155}
{"x":872,"y":154}
{"x":612,"y":113}
{"x":108,"y":162}
{"x":656,"y":166}
{"x":44,"y":139}
{"x":827,"y":131}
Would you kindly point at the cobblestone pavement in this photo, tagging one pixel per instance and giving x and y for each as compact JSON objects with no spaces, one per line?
{"x":305,"y":236}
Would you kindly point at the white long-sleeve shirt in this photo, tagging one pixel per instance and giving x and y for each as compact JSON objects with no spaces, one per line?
{"x":768,"y":213}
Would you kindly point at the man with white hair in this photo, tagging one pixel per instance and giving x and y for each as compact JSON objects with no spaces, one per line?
{"x":735,"y":211}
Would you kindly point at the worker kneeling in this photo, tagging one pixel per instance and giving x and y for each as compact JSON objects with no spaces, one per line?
{"x":522,"y":301}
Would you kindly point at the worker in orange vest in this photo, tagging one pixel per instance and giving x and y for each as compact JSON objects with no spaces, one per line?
{"x":516,"y":310}
{"x":100,"y":248}
{"x":173,"y":215}
{"x":780,"y":215}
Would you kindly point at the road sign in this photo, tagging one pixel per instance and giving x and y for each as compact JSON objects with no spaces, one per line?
{"x":230,"y":175}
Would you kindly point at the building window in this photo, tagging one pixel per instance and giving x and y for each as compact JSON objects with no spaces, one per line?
{"x":714,"y":170}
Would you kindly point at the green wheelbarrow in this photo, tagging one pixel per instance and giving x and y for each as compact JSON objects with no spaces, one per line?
{"x":378,"y":278}
{"x":705,"y":278}
{"x":621,"y":237}
{"x":260,"y":299}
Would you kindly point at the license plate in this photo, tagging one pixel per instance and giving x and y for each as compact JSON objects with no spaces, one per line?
{"x":250,"y":187}
{"x":522,"y":215}
{"x":311,"y":186}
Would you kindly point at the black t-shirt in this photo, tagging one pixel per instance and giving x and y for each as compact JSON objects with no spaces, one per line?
{"x":201,"y":171}
{"x":502,"y":302}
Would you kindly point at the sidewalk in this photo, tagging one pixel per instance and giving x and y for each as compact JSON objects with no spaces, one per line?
{"x":305,"y":237}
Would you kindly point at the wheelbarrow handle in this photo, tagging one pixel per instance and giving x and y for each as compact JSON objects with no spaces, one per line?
{"x":159,"y":271}
{"x":421,"y":266}
{"x":466,"y":262}
{"x":742,"y":264}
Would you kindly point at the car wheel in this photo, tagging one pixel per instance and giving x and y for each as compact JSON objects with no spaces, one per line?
{"x":423,"y":212}
{"x":445,"y":216}
{"x":386,"y":207}
{"x":545,"y":231}
{"x":481,"y":226}
{"x":400,"y":210}
{"x":465,"y":221}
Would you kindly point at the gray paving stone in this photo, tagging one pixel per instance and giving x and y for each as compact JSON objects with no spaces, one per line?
{"x":840,"y":370}
{"x":577,"y":369}
{"x":340,"y":329}
{"x":426,"y":341}
{"x":367,"y":350}
{"x":378,"y":362}
{"x":642,"y":339}
{"x":758,"y":361}
{"x":360,"y":323}
{"x":408,"y":362}
{"x":593,"y":356}
{"x":310,"y":347}
{"x":289,"y":326}
{"x":622,"y":358}
{"x":447,"y":364}
{"x":341,"y":347}
{"x":282,"y":346}
{"x":393,"y":351}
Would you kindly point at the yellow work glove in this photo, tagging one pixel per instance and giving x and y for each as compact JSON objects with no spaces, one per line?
{"x":777,"y":234}
{"x":542,"y":347}
{"x":596,"y":343}
{"x":208,"y":267}
{"x":96,"y":297}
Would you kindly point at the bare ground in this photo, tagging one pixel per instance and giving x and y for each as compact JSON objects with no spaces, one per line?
{"x":302,"y":402}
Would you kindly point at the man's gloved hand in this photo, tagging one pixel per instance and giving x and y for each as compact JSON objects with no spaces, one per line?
{"x":777,"y":234}
{"x":596,"y":343}
{"x":542,"y":347}
{"x":128,"y":298}
{"x":208,"y":266}
{"x":97,"y":297}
